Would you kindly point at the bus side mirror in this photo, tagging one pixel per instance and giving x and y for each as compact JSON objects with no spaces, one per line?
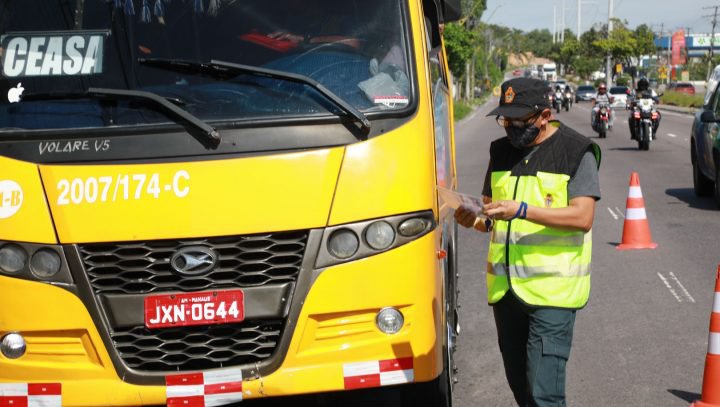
{"x":708,"y":117}
{"x":452,"y":10}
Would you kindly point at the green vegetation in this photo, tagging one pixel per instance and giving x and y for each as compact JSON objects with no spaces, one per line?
{"x":461,"y":110}
{"x":681,"y":99}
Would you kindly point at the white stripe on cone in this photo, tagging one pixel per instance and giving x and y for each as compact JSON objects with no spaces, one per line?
{"x":716,"y":303}
{"x":714,"y":344}
{"x":635,"y":192}
{"x":635,"y":214}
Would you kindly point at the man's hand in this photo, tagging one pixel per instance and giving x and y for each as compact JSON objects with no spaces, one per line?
{"x":501,"y":210}
{"x":466,"y":215}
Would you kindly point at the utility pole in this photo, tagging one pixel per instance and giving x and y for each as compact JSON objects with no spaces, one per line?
{"x":712,"y":37}
{"x":554,"y":24}
{"x":608,"y":63}
{"x":579,"y":14}
{"x":562,"y":23}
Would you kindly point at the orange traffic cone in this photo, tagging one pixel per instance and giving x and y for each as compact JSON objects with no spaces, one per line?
{"x":711,"y":379}
{"x":636,"y":230}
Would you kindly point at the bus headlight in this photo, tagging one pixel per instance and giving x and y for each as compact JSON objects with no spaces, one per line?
{"x":343,"y":244}
{"x":379,"y":235}
{"x":12,"y":258}
{"x":413,"y":226}
{"x":45,"y":263}
{"x":389,"y":321}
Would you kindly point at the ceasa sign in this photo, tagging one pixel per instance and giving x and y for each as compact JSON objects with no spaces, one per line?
{"x":11,"y":198}
{"x":53,"y":54}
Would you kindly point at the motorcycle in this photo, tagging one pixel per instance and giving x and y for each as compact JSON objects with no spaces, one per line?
{"x":645,"y":122}
{"x":602,"y":119}
{"x":558,"y":101}
{"x":567,"y":100}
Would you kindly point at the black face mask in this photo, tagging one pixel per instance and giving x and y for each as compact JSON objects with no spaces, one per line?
{"x":521,"y":137}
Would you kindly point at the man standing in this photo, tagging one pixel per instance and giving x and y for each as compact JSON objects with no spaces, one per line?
{"x":540,"y":192}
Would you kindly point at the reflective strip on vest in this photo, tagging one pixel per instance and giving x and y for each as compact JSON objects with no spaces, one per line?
{"x":519,"y":271}
{"x":543,"y":266}
{"x":537,"y":239}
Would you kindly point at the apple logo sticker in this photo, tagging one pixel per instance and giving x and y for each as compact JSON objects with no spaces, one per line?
{"x":15,"y":93}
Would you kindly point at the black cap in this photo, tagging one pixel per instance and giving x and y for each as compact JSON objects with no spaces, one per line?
{"x":521,"y":97}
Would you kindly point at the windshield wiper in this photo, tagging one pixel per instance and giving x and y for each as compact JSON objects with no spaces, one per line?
{"x":228,"y":70}
{"x":179,"y":115}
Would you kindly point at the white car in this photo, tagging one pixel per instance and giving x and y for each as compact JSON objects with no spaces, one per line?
{"x":620,"y":96}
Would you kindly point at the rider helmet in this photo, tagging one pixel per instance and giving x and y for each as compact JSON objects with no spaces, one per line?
{"x":602,"y":88}
{"x":643,"y":85}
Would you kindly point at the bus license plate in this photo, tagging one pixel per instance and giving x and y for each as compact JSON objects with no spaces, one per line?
{"x":203,"y":308}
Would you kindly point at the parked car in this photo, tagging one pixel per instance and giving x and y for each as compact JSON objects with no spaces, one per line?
{"x":705,"y":149}
{"x":711,"y":84}
{"x":621,"y":95}
{"x":584,"y":93}
{"x":682,"y":87}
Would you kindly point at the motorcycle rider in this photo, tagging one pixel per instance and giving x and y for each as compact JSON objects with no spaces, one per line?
{"x":643,"y":91}
{"x":559,"y":96}
{"x":599,"y":98}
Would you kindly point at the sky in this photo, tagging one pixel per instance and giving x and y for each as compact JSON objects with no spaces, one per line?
{"x":673,"y":14}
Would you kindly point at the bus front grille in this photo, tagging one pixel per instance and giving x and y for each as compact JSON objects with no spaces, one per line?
{"x":144,"y":267}
{"x":123,"y":271}
{"x":197,"y":347}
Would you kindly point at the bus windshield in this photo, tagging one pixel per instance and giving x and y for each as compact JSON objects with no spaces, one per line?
{"x":356,"y":49}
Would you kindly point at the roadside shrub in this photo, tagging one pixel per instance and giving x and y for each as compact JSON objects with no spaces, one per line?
{"x":681,"y":99}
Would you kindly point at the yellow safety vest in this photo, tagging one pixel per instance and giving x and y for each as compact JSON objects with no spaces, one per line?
{"x":543,"y":266}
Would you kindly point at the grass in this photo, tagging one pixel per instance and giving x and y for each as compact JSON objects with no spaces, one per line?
{"x":681,"y":99}
{"x":462,"y":109}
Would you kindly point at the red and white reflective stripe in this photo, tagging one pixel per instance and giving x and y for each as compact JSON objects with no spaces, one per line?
{"x":635,"y":214}
{"x":635,"y":192}
{"x":206,"y":389}
{"x":378,"y":373}
{"x":716,"y":303}
{"x":31,"y":394}
{"x":714,"y":343}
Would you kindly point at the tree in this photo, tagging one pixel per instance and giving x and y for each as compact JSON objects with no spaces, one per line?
{"x":459,"y":46}
{"x":645,"y":45}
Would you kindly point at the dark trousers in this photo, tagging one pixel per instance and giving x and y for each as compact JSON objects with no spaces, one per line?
{"x":535,"y":346}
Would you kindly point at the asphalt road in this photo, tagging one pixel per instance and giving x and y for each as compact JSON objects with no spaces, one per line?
{"x":642,"y":339}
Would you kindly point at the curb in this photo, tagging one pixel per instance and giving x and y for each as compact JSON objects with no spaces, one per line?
{"x":677,"y":109}
{"x":475,"y":111}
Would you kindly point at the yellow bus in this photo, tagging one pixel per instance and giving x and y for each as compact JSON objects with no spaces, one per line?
{"x":209,"y":201}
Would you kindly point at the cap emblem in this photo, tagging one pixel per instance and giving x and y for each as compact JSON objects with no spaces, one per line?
{"x":509,"y":95}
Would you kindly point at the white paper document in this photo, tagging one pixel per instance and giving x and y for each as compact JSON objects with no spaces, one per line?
{"x":450,"y":199}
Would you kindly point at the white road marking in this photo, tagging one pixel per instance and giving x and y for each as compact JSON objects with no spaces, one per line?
{"x":622,"y":215}
{"x":669,"y":287}
{"x":686,"y":139}
{"x":613,"y":214}
{"x":625,"y":121}
{"x":671,"y":135}
{"x":682,"y":287}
